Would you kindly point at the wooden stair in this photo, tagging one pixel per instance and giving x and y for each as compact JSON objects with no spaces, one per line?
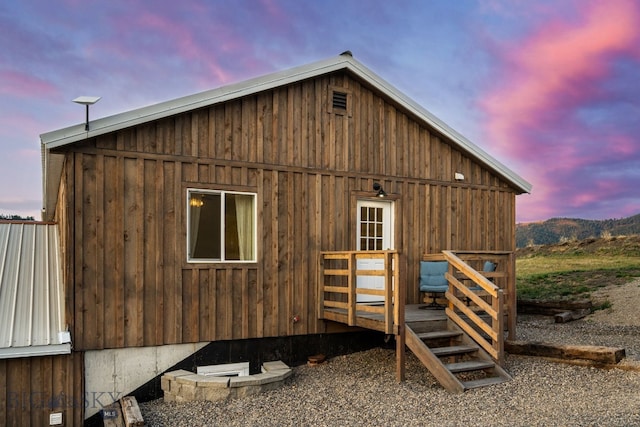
{"x":453,"y":358}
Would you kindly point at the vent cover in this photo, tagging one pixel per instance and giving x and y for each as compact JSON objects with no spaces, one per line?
{"x":340,"y":100}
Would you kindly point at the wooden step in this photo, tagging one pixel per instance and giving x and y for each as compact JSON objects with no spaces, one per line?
{"x":483,"y":382}
{"x":438,"y":334}
{"x":469,"y":365}
{"x":453,"y":350}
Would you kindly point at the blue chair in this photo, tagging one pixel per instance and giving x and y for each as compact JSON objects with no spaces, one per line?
{"x":488,"y":267}
{"x":432,"y":279}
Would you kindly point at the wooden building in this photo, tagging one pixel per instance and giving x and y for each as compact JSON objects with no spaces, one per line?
{"x":203,"y":218}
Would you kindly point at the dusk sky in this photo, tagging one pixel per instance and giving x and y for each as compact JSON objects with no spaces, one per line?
{"x":550,"y":88}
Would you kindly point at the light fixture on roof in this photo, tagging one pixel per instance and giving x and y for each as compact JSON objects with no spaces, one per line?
{"x":380,"y":192}
{"x":86,"y":101}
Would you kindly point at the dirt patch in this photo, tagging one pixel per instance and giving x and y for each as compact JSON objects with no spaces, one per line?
{"x":625,"y":304}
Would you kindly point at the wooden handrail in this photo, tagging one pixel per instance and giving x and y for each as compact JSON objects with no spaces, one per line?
{"x":460,"y":295}
{"x":341,"y":292}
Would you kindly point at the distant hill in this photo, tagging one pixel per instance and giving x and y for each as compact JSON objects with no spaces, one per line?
{"x":556,"y":230}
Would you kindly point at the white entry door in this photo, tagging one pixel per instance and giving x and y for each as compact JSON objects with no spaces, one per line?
{"x":374,"y":233}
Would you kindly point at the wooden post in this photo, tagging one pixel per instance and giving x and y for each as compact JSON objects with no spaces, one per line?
{"x":498,"y":326}
{"x":321,"y":287}
{"x":388,"y":292}
{"x":399,"y":320}
{"x":352,"y":283}
{"x":512,"y":309}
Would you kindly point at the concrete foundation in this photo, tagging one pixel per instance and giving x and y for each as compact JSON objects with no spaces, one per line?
{"x":112,"y":374}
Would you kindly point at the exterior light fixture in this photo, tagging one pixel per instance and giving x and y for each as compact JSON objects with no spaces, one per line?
{"x":458,"y":176}
{"x":380,"y":192}
{"x":86,"y":101}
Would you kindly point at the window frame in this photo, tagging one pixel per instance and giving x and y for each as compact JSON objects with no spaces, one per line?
{"x":222,"y":194}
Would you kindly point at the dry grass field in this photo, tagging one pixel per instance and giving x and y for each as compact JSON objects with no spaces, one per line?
{"x":576,"y":269}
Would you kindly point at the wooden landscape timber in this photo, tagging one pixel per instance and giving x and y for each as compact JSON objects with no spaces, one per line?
{"x":131,"y":412}
{"x":563,"y":311}
{"x":598,"y":355}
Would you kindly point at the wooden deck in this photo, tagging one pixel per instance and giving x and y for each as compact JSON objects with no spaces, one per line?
{"x":375,"y":321}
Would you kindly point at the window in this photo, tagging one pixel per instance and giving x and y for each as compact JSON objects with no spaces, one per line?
{"x":221,"y":226}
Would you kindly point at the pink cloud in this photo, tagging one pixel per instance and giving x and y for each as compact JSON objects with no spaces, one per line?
{"x":555,"y":67}
{"x":22,"y":85}
{"x":554,"y":110}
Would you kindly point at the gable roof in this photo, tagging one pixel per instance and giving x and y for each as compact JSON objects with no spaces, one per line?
{"x":344,"y":61}
{"x":31,"y":294}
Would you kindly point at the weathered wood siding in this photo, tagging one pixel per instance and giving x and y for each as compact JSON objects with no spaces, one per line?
{"x":33,"y":387}
{"x":125,"y":205}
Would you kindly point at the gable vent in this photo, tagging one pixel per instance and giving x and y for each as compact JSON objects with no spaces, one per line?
{"x":340,"y":100}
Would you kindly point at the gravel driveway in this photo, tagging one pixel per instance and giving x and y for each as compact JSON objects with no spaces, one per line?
{"x":360,"y":389}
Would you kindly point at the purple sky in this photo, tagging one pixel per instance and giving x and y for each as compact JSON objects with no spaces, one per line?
{"x":551,"y":88}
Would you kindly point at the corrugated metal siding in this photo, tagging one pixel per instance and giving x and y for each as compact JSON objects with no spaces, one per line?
{"x":31,"y":299}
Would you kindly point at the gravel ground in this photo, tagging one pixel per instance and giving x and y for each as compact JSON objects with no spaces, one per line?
{"x":360,"y":389}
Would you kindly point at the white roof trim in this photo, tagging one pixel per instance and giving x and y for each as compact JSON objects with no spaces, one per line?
{"x":36,"y":350}
{"x":105,"y":125}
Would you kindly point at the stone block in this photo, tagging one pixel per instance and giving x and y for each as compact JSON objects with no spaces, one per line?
{"x":250,"y":380}
{"x":173,"y":375}
{"x":188,"y":391}
{"x":188,"y":379}
{"x":165,"y":383}
{"x":211,"y":381}
{"x":214,"y":394}
{"x":276,"y":365}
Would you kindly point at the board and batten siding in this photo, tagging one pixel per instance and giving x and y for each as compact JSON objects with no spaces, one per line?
{"x":34,"y":387}
{"x":123,"y":203}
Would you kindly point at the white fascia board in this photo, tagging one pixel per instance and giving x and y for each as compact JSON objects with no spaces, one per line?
{"x":34,"y":351}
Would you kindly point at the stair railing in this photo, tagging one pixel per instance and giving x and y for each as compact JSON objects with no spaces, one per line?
{"x":470,"y":288}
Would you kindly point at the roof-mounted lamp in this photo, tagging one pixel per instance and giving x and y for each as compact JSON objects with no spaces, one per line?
{"x":86,"y":101}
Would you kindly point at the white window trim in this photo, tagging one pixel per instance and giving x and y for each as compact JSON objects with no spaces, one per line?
{"x":222,"y":225}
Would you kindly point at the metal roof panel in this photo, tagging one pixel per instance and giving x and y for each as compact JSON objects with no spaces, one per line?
{"x":31,"y":298}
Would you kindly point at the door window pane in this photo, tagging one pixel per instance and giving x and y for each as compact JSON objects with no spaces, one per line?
{"x":371,"y":228}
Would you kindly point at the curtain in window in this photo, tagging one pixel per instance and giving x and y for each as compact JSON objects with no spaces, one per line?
{"x":244,"y":216}
{"x":195,"y":206}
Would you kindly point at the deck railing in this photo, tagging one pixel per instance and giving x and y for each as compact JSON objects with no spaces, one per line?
{"x":338,"y":292}
{"x":475,"y":295}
